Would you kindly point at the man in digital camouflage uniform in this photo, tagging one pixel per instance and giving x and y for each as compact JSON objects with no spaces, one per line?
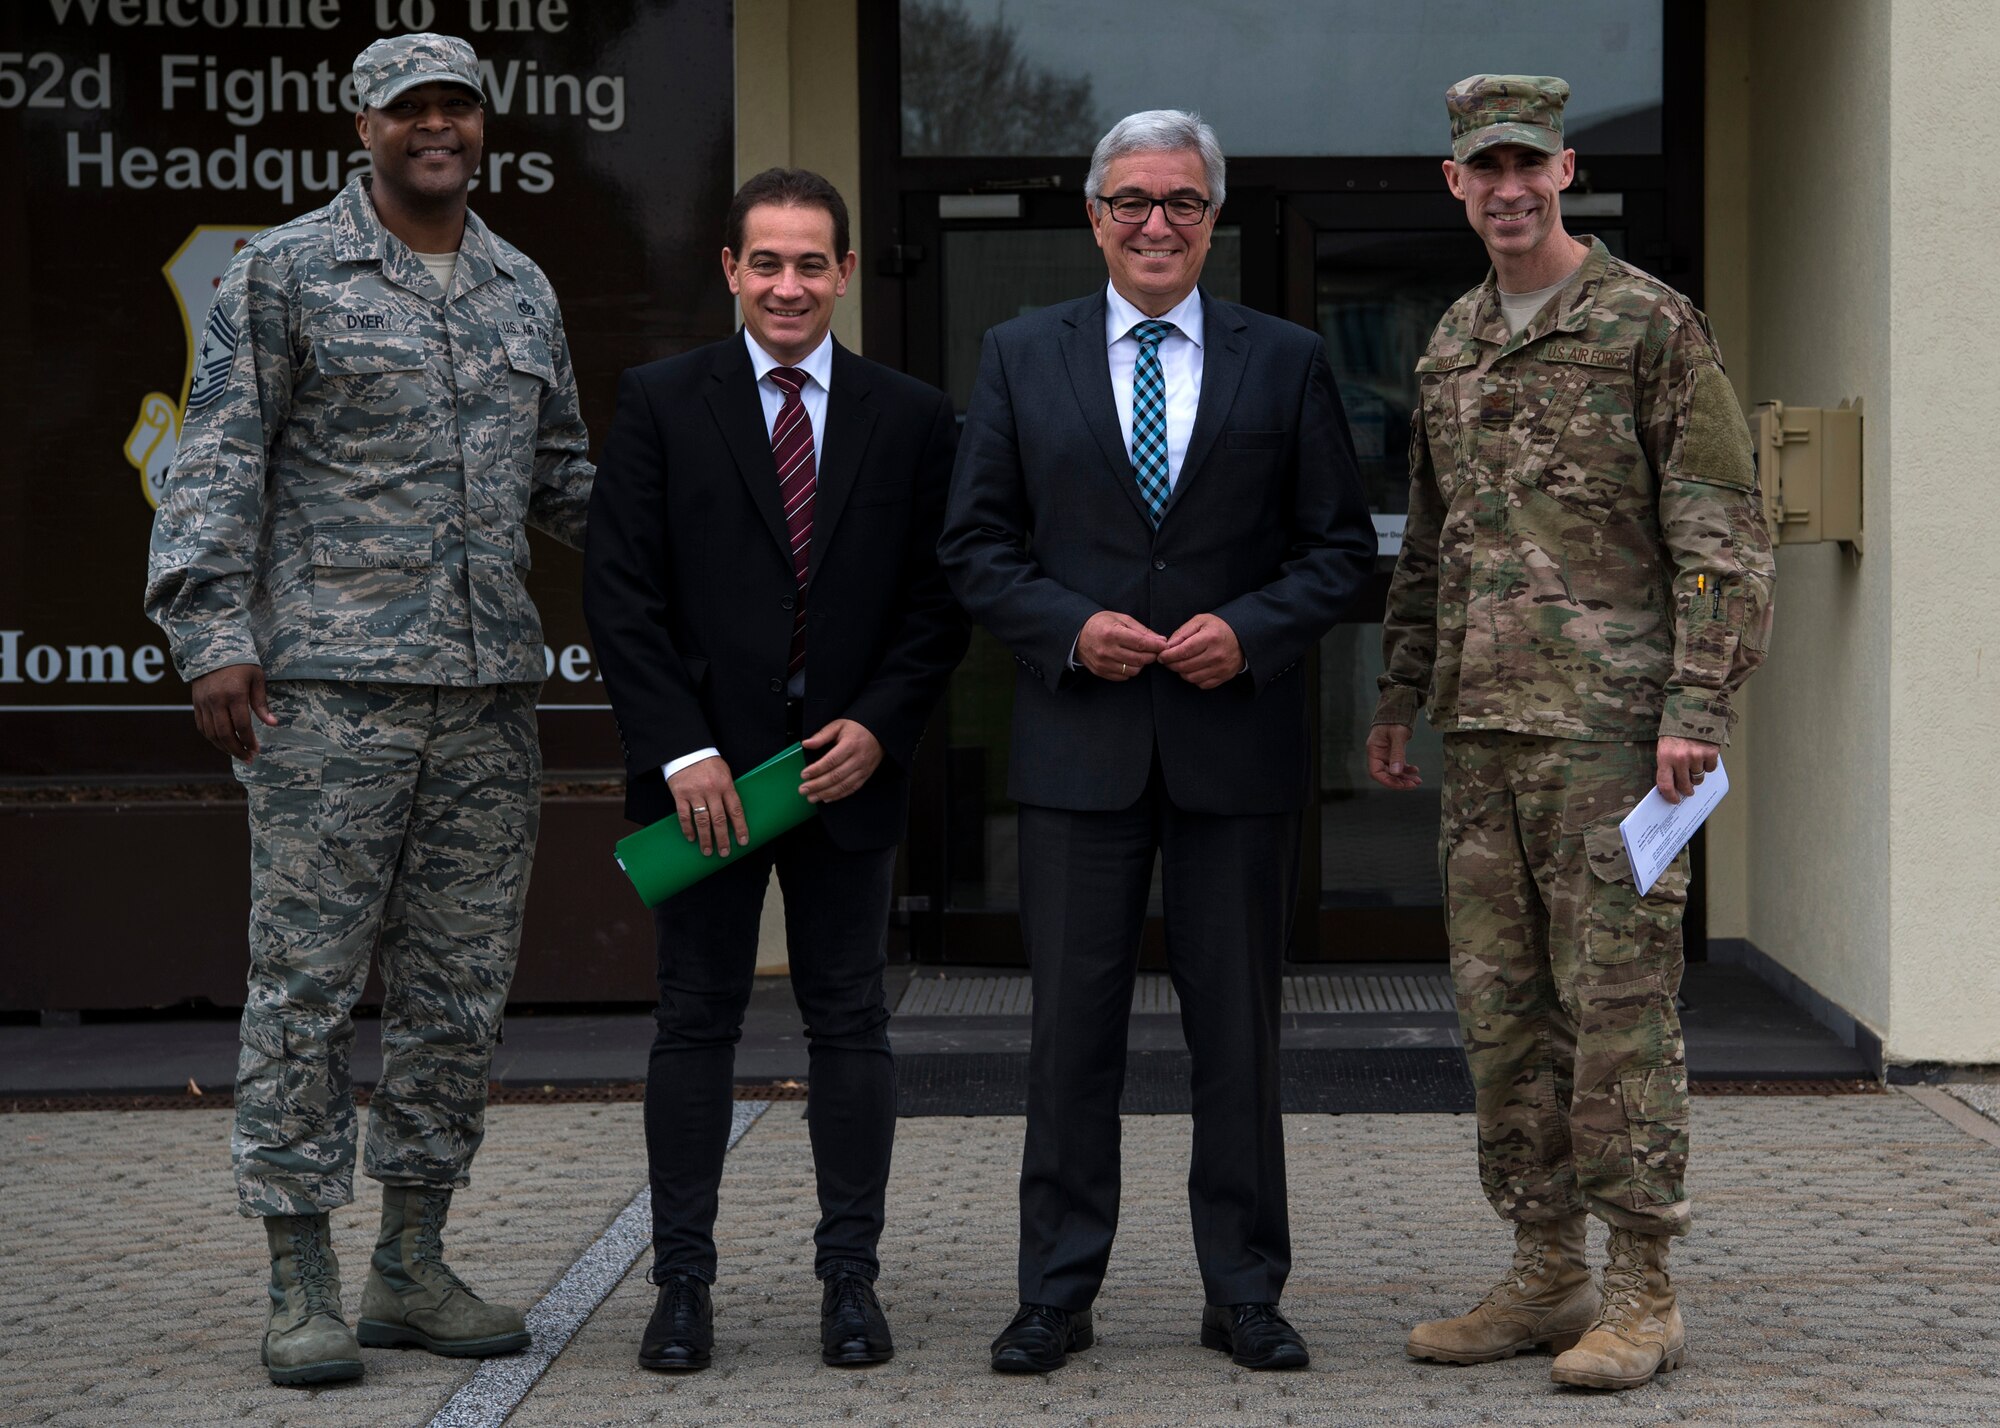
{"x":1585,"y":579}
{"x":382,"y":396}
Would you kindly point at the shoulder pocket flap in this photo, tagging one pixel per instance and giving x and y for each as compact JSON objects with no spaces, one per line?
{"x":1582,"y":354}
{"x":1255,"y":440}
{"x":372,"y":547}
{"x":1448,"y":361}
{"x":528,"y":353}
{"x":1716,"y":448}
{"x":361,"y":353}
{"x":524,"y":554}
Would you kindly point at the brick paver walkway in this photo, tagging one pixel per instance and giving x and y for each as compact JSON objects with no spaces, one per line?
{"x":1845,"y":1268}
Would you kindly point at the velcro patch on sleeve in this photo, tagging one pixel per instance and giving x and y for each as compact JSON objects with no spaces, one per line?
{"x":1716,"y":448}
{"x":212,"y":358}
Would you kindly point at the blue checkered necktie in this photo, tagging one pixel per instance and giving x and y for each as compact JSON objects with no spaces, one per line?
{"x":1149,"y":416}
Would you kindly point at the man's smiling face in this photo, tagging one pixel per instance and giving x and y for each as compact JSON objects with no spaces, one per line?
{"x":787,"y":277}
{"x":1511,"y":195}
{"x":426,"y":143}
{"x":1156,"y":263}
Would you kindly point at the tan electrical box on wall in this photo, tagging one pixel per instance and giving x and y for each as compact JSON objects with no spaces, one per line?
{"x":1809,"y":464}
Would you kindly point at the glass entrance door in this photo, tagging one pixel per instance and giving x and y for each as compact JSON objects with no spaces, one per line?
{"x":997,"y":256}
{"x":1375,"y":274}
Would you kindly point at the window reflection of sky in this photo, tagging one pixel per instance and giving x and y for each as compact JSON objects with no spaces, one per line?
{"x":1341,"y":77}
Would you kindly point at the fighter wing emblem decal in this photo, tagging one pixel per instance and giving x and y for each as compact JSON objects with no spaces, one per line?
{"x":193,"y":273}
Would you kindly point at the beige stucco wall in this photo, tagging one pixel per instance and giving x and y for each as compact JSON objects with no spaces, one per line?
{"x":1726,"y":296}
{"x":1799,"y":279}
{"x":1851,"y":202}
{"x":798,"y":105}
{"x":1943,"y":753}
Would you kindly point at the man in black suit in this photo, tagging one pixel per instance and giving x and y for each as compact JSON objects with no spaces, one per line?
{"x":1156,"y":507}
{"x":761,"y":565}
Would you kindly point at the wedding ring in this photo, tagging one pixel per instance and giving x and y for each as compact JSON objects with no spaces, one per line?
{"x":1698,"y":778}
{"x":1121,"y":667}
{"x":702,"y":809}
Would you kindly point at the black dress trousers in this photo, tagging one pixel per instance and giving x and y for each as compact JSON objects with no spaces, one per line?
{"x":836,"y":927}
{"x":1228,"y":883}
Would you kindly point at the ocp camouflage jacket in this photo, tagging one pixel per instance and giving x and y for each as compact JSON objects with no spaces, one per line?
{"x":1586,"y":555}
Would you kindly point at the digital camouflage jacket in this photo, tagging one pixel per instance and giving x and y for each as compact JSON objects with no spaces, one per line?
{"x":359,"y":454}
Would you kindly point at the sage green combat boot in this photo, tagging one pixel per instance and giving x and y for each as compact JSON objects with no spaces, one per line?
{"x":1546,"y":1301}
{"x":305,"y":1339}
{"x":412,"y":1299}
{"x":1638,"y":1332}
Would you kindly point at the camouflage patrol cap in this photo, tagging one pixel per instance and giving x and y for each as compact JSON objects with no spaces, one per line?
{"x":399,"y":62}
{"x":1489,"y":109}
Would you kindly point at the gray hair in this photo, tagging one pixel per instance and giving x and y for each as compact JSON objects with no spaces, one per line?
{"x":1157,"y":131}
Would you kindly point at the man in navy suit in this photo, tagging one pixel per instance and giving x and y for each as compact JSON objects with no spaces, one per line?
{"x":762,"y":567}
{"x":1156,"y":507}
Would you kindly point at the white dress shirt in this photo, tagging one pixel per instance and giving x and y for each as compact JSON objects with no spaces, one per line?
{"x":818,"y":367}
{"x":1180,"y":364}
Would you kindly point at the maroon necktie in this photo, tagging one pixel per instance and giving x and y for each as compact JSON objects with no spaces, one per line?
{"x":792,"y":448}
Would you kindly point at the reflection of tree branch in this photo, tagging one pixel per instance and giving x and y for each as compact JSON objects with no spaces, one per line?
{"x":967,"y":89}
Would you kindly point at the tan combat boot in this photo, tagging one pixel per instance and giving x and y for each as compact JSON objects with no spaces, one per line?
{"x":412,"y":1299}
{"x":305,"y":1339}
{"x":1547,"y":1299}
{"x":1638,"y":1332}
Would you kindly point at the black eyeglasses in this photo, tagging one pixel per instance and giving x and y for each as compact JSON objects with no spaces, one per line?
{"x":1182,"y":211}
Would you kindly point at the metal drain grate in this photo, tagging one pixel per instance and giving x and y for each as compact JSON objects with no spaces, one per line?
{"x":1311,"y":1082}
{"x":1153,"y":994}
{"x":1786,"y":1088}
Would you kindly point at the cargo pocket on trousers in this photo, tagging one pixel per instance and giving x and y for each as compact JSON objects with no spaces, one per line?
{"x":265,"y":1112}
{"x":284,"y":788}
{"x":1656,"y":1119}
{"x":1619,"y":924}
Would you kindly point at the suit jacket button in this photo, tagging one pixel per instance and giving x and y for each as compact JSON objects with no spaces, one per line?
{"x":788,"y":602}
{"x":777,"y":686}
{"x":1159,"y":565}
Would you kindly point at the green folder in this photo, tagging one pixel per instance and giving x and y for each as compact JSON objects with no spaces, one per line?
{"x":661,"y":861}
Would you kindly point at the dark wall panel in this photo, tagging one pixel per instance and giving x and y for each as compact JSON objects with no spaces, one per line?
{"x":139,"y":154}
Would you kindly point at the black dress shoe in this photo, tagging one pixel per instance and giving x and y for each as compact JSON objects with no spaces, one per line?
{"x":1254,"y":1335}
{"x":1041,"y":1339}
{"x":852,"y":1329}
{"x":681,"y":1332}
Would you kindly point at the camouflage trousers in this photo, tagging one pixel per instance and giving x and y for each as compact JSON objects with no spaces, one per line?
{"x":1566,"y":979}
{"x":392,"y":823}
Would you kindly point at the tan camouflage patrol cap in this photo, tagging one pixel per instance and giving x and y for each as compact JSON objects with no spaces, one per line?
{"x":1489,"y":109}
{"x":389,"y":66}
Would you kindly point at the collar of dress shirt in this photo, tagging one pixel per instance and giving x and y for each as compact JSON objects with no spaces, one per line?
{"x":818,"y":364}
{"x":1120,"y":317}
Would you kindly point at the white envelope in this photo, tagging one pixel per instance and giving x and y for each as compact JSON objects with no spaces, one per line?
{"x":1655,"y":832}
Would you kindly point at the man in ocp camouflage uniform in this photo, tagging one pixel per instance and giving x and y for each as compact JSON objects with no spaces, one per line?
{"x":1585,"y":579}
{"x":382,"y":396}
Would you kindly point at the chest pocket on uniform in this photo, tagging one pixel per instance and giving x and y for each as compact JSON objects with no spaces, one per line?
{"x":378,"y":403}
{"x":528,"y":356}
{"x":1444,"y":381}
{"x":1574,"y":433}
